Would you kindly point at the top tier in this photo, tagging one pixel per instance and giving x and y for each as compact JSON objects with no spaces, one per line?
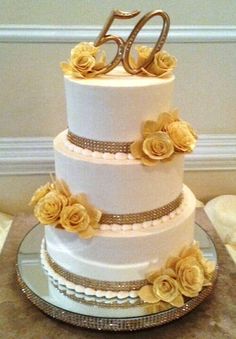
{"x":114,"y":106}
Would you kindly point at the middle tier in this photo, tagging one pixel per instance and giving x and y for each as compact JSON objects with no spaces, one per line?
{"x":119,"y":186}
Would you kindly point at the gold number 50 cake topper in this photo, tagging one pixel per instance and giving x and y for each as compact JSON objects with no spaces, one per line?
{"x":124,"y":47}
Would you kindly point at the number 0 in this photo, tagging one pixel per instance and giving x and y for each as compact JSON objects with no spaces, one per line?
{"x":124,"y":47}
{"x":159,"y":44}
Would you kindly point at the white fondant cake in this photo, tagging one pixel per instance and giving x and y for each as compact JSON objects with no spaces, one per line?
{"x":138,"y":214}
{"x":113,"y":106}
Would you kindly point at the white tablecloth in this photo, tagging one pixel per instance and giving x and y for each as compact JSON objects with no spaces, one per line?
{"x":5,"y":224}
{"x":222,"y":213}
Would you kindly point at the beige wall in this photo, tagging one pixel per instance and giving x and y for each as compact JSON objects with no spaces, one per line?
{"x":32,"y":93}
{"x":93,"y":12}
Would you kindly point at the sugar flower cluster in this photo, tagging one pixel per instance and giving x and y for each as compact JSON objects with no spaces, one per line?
{"x":183,"y":276}
{"x":162,"y":138}
{"x":87,"y":61}
{"x":55,"y":205}
{"x":84,"y":61}
{"x":162,"y":65}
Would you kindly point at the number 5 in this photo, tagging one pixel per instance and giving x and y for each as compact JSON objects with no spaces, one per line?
{"x":103,"y":37}
{"x":124,"y":47}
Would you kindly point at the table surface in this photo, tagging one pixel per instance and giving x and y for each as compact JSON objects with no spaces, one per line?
{"x":214,"y":318}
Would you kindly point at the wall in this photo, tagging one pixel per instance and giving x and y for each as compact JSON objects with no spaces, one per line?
{"x":32,"y":109}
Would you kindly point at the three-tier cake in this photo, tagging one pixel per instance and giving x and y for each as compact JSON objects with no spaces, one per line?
{"x":119,"y":222}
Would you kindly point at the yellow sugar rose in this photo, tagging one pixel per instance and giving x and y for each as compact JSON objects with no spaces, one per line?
{"x":93,"y":213}
{"x":40,"y":193}
{"x":158,"y":146}
{"x":149,"y":127}
{"x":143,"y":54}
{"x":166,"y":118}
{"x":48,"y":209}
{"x":75,"y":219}
{"x":82,"y":47}
{"x":161,"y":124}
{"x":166,"y":289}
{"x":163,"y":64}
{"x":182,"y":135}
{"x":83,"y":62}
{"x":208,"y":267}
{"x":190,"y":276}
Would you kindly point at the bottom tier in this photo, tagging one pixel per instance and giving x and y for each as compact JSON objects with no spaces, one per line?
{"x":121,"y":257}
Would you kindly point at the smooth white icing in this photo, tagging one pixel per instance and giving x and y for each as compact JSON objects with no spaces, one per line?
{"x":79,"y":288}
{"x":121,"y":186}
{"x":123,"y":256}
{"x":112,"y":107}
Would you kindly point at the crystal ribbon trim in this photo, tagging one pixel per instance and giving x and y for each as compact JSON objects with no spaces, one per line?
{"x":114,"y":286}
{"x":99,"y":146}
{"x":134,"y":218}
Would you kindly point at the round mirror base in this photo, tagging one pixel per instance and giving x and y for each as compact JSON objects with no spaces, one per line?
{"x":40,"y":290}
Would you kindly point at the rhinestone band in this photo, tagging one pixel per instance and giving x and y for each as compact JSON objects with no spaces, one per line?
{"x":134,"y":218}
{"x":99,"y":146}
{"x":114,"y":286}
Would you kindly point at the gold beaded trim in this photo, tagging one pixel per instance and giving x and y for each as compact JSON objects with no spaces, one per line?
{"x":99,"y":146}
{"x":134,"y":218}
{"x":93,"y":283}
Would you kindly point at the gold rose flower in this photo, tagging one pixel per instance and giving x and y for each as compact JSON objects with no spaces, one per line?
{"x":192,"y":269}
{"x":143,"y":54}
{"x":190,"y":276}
{"x":80,"y":217}
{"x":87,"y":47}
{"x":208,"y":267}
{"x":155,"y":147}
{"x":75,"y":219}
{"x":162,"y":65}
{"x":182,"y":135}
{"x":93,"y":213}
{"x":164,"y":288}
{"x":49,"y":208}
{"x":83,"y":62}
{"x":163,"y":121}
{"x":158,"y":146}
{"x":40,"y":193}
{"x":61,"y":187}
{"x":166,"y":118}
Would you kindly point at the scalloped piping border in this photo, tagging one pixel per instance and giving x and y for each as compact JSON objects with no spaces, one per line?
{"x":85,"y":291}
